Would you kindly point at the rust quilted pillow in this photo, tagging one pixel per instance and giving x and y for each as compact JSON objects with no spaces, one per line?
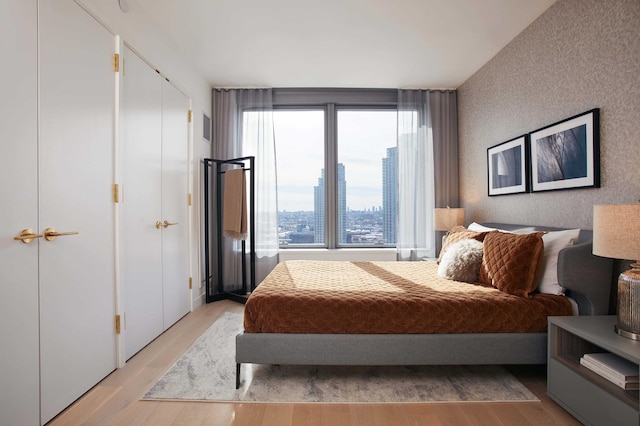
{"x":510,"y":262}
{"x":459,"y":233}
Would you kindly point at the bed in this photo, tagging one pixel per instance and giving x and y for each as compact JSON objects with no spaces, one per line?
{"x":344,"y":330}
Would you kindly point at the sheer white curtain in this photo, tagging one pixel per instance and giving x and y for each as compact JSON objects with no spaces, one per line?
{"x":258,"y":140}
{"x":243,"y":126}
{"x":416,"y":187}
{"x":427,"y":167}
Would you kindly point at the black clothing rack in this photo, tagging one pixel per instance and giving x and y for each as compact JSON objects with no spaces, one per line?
{"x":216,"y":167}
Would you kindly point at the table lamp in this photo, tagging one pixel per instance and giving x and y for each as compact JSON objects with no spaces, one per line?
{"x":616,"y":234}
{"x":447,"y":218}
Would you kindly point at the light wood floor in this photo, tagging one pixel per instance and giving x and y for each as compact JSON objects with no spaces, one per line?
{"x":116,"y":400}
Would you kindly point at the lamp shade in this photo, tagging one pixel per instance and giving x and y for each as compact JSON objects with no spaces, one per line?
{"x":616,"y":231}
{"x":447,"y":218}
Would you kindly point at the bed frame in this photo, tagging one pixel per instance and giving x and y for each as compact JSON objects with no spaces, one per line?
{"x":587,"y":279}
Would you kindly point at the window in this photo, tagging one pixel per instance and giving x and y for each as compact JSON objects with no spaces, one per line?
{"x":367,"y":176}
{"x":336,"y":167}
{"x":299,"y":136}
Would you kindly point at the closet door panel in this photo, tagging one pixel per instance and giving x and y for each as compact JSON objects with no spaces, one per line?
{"x":175,"y":238}
{"x":77,"y":292}
{"x":141,"y":240}
{"x":19,"y":360}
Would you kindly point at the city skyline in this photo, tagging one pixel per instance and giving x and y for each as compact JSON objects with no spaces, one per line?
{"x":300,"y":142}
{"x":376,"y":225}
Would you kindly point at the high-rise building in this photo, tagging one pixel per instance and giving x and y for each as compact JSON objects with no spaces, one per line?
{"x":390,"y":195}
{"x":318,"y":210}
{"x":319,"y":207}
{"x":342,"y":205}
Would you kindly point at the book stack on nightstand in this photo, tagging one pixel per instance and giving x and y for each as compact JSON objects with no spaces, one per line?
{"x":617,"y":370}
{"x":585,"y":392}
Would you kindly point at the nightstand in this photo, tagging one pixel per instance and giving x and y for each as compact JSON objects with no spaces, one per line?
{"x":589,"y":397}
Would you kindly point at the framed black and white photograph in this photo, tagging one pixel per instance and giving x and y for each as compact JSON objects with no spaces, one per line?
{"x":567,"y":154}
{"x":507,"y":167}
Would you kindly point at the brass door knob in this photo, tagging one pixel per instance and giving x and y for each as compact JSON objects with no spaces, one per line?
{"x":51,"y":234}
{"x":26,"y":236}
{"x":164,"y":224}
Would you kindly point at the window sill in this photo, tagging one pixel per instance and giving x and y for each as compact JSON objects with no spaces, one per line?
{"x":348,"y":254}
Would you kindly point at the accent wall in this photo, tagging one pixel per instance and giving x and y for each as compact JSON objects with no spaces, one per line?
{"x":578,"y":55}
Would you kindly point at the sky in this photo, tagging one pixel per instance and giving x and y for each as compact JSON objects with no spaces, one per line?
{"x":363,"y":139}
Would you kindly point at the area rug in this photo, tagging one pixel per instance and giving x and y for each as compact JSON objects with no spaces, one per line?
{"x":206,"y":372}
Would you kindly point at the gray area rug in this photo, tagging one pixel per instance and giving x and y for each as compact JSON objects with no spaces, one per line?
{"x":206,"y":372}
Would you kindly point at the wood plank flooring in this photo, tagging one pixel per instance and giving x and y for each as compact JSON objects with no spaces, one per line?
{"x":116,"y":400}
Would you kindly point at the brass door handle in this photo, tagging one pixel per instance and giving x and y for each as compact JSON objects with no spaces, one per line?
{"x":27,"y":235}
{"x":164,"y":224}
{"x":51,"y":234}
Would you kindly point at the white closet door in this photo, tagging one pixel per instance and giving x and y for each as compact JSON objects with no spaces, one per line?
{"x":19,"y":368}
{"x":141,"y":240}
{"x":175,"y":238}
{"x":77,"y":296}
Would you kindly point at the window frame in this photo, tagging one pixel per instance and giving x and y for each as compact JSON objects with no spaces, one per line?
{"x":324,"y":111}
{"x":331,"y":101}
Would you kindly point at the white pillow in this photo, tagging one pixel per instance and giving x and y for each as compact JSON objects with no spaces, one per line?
{"x":554,"y":241}
{"x":462,"y":261}
{"x":481,"y":228}
{"x":476,"y":227}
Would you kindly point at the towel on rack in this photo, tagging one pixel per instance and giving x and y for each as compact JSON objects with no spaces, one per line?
{"x":235,"y":205}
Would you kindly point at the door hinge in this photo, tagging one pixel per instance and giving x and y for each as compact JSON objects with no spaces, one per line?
{"x":116,"y":193}
{"x":188,"y":199}
{"x":116,"y":62}
{"x":189,"y":116}
{"x":117,"y":324}
{"x":190,"y":283}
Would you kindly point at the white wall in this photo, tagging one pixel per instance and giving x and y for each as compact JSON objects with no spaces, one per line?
{"x":201,"y":149}
{"x":135,"y":29}
{"x":149,"y":42}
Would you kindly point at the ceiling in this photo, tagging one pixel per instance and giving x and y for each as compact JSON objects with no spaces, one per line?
{"x":340,"y":43}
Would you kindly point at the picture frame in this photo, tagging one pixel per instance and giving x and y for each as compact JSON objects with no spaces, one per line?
{"x":566,"y":154}
{"x":507,"y":167}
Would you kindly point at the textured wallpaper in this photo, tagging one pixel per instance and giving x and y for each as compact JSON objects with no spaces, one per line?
{"x":579,"y":55}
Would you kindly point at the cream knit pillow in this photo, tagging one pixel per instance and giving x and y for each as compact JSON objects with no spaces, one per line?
{"x":462,"y":261}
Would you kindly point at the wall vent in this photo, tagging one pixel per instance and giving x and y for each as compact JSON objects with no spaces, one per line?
{"x":206,"y":128}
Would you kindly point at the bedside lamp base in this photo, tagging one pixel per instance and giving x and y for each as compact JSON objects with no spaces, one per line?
{"x":627,"y":334}
{"x":629,"y":303}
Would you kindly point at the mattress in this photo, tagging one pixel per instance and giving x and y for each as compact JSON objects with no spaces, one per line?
{"x":338,"y":297}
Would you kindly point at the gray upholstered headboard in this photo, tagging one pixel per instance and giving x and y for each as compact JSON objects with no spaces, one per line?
{"x":586,"y":278}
